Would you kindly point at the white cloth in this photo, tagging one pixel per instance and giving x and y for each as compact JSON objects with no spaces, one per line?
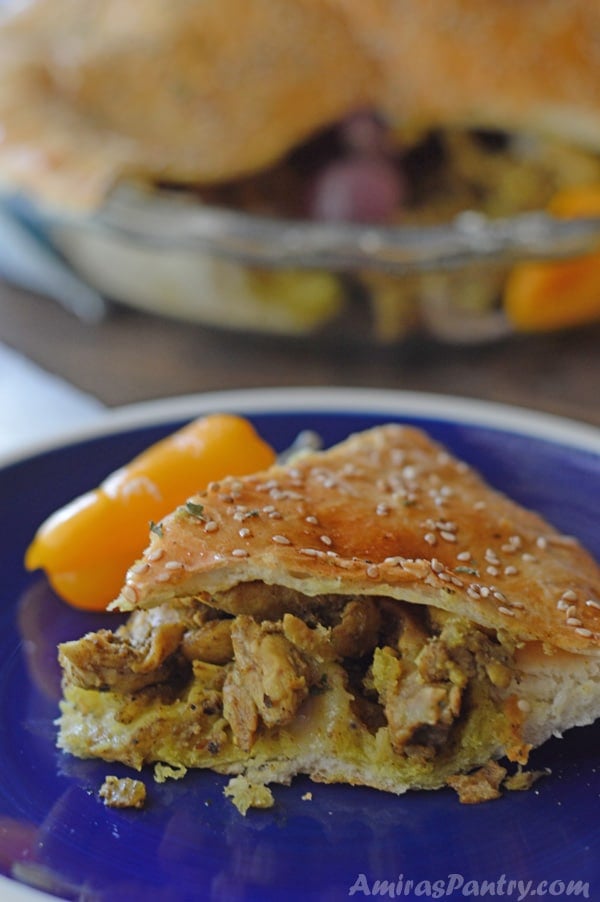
{"x":36,"y":406}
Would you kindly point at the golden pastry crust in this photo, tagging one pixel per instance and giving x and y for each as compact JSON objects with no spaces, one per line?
{"x":178,"y":89}
{"x":389,"y":513}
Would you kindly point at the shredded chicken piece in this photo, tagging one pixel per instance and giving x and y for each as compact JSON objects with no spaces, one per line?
{"x":211,"y":642}
{"x":270,"y":678}
{"x":105,"y":660}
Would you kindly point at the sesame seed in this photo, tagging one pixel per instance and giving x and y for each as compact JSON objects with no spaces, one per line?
{"x":573,"y":621}
{"x":372,"y":571}
{"x":463,"y":556}
{"x":523,"y":705}
{"x":129,"y":593}
{"x":447,"y":536}
{"x":275,"y":515}
{"x":382,"y":509}
{"x":541,"y":542}
{"x":311,"y":552}
{"x":281,"y":540}
{"x":510,"y":570}
{"x":479,"y":506}
{"x":173,"y":565}
{"x":491,"y":556}
{"x":582,"y":631}
{"x":211,"y":526}
{"x":155,"y":554}
{"x":570,"y":595}
{"x":244,"y":532}
{"x":456,"y":581}
{"x":436,"y":565}
{"x":499,"y":596}
{"x":214,"y":486}
{"x":239,"y":552}
{"x":562,"y":605}
{"x":571,"y":610}
{"x":139,"y":567}
{"x":473,"y":592}
{"x":326,"y":540}
{"x":430,"y":538}
{"x":311,"y":519}
{"x":529,"y":558}
{"x":506,"y":611}
{"x":268,"y":509}
{"x":591,"y":603}
{"x":484,"y":591}
{"x":163,"y":577}
{"x":493,"y":571}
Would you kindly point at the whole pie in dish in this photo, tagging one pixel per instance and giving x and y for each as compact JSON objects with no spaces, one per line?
{"x":370,"y":614}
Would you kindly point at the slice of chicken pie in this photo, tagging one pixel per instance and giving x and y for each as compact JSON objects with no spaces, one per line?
{"x":372,"y":614}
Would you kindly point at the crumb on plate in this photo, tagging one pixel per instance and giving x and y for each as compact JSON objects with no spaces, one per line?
{"x":245,"y":794}
{"x":123,"y":792}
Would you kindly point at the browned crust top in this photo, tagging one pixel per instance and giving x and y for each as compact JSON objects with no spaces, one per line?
{"x":386,"y":512}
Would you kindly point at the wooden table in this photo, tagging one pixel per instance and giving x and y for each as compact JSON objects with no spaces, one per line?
{"x":132,"y":356}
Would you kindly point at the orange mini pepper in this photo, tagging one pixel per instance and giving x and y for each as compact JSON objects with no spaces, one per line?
{"x":546,"y":296}
{"x":86,"y":547}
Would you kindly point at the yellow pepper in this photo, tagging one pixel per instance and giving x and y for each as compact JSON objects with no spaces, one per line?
{"x":87,"y":546}
{"x":547,"y":296}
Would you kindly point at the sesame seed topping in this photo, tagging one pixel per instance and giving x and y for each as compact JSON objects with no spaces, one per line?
{"x":570,"y":595}
{"x":571,"y":610}
{"x":311,"y":519}
{"x":139,"y":567}
{"x":129,"y":593}
{"x":173,"y":565}
{"x":479,"y":506}
{"x":163,"y":577}
{"x":582,"y":631}
{"x":528,"y":558}
{"x":463,"y":556}
{"x":311,"y":552}
{"x":326,"y":540}
{"x":268,"y":509}
{"x":239,"y":552}
{"x":506,"y":611}
{"x":382,"y":509}
{"x":484,"y":591}
{"x":591,"y":603}
{"x":155,"y":554}
{"x":562,"y":605}
{"x":211,"y":526}
{"x":275,"y":515}
{"x":523,"y":705}
{"x":493,"y":571}
{"x":541,"y":542}
{"x":447,"y":536}
{"x":244,"y":532}
{"x":281,"y":540}
{"x":372,"y":571}
{"x":510,"y":570}
{"x":436,"y":565}
{"x":573,"y":621}
{"x":430,"y":538}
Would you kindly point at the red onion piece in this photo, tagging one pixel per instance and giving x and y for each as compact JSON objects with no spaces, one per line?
{"x":357,"y":189}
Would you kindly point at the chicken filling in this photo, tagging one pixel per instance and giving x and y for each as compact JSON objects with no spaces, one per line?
{"x":406,"y":667}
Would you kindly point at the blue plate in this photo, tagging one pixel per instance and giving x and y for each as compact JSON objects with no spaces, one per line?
{"x":189,"y":843}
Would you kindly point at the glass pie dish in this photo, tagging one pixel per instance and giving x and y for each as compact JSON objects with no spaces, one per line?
{"x":166,"y":252}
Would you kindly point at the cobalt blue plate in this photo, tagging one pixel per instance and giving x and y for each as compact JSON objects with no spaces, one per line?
{"x":190,"y":843}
